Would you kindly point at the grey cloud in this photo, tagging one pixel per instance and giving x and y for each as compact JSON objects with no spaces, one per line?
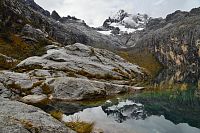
{"x":94,"y":12}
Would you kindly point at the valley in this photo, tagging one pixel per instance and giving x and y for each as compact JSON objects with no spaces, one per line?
{"x":133,"y":74}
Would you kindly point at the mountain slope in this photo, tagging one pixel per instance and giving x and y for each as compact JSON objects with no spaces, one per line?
{"x":15,"y":14}
{"x":174,"y":40}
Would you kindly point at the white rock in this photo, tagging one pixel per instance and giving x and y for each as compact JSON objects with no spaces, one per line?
{"x":79,"y":57}
{"x":66,"y":88}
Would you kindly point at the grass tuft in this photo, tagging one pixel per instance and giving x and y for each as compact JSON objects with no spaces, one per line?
{"x":80,"y":126}
{"x":46,"y":89}
{"x":57,"y":114}
{"x":144,"y":59}
{"x":14,"y":46}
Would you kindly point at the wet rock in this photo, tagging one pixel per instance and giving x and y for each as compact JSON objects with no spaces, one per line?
{"x":18,"y":117}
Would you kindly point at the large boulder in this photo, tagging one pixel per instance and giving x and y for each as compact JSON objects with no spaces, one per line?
{"x":18,"y":117}
{"x":74,"y":72}
{"x":86,"y":61}
{"x":66,"y":88}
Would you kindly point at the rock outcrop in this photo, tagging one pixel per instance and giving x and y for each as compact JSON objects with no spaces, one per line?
{"x":74,"y":72}
{"x":82,"y":59}
{"x":34,"y":33}
{"x":69,"y":89}
{"x":55,"y":15}
{"x":36,"y":7}
{"x":174,"y":41}
{"x":18,"y":117}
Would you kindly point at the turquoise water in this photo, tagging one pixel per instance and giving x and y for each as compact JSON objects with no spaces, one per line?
{"x":170,"y":104}
{"x":130,"y":115}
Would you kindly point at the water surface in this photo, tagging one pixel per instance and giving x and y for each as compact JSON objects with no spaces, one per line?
{"x":171,"y":104}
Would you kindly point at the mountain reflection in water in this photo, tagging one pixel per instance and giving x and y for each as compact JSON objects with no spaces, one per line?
{"x":171,"y":105}
{"x":127,"y":116}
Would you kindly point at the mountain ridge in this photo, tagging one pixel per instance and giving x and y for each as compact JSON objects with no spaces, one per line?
{"x":123,"y":22}
{"x":70,"y":30}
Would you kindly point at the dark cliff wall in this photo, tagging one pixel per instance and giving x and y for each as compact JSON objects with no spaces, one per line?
{"x":175,"y":41}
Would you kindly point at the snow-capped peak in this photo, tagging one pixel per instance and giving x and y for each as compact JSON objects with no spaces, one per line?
{"x":119,"y":15}
{"x":123,"y":22}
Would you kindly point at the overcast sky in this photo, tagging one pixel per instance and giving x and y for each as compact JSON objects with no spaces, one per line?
{"x":94,"y":12}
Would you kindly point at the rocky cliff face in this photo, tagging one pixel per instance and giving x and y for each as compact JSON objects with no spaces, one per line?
{"x":174,"y":40}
